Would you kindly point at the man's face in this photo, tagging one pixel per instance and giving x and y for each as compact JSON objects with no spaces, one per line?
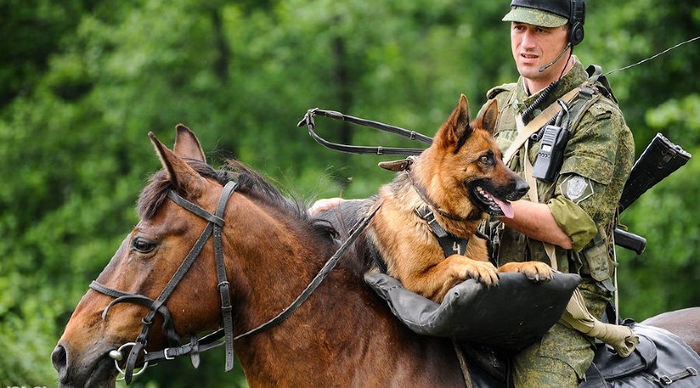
{"x":534,"y":47}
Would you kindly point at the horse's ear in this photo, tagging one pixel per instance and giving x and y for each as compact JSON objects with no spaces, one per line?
{"x":182,"y":176}
{"x":187,"y":145}
{"x":456,"y":129}
{"x":488,"y":117}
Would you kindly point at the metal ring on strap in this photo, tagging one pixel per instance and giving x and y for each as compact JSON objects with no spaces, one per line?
{"x":117,"y":356}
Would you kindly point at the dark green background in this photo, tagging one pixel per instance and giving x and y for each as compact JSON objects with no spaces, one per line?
{"x":83,"y":81}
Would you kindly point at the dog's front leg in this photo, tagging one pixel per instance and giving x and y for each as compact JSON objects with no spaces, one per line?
{"x":438,"y":279}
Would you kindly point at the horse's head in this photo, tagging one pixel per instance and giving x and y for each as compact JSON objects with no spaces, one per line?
{"x":142,"y":267}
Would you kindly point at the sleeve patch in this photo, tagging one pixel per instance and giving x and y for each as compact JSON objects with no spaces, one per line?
{"x":576,"y":188}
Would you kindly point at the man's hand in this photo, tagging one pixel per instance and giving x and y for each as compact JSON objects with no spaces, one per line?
{"x":324,"y":204}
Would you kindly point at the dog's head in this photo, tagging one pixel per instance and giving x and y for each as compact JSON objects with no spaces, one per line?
{"x":463,"y":170}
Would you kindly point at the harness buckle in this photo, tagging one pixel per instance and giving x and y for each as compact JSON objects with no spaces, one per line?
{"x":165,"y":354}
{"x":222,"y":284}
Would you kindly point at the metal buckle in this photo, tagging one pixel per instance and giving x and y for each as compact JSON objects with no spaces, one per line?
{"x":165,"y":354}
{"x":117,"y":356}
{"x":666,"y":380}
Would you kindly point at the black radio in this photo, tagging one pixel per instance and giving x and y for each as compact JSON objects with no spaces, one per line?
{"x":552,"y":144}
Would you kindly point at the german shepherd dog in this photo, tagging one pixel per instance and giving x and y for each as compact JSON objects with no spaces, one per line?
{"x":460,"y":179}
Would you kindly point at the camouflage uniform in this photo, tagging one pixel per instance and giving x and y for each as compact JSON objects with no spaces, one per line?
{"x":583,"y":201}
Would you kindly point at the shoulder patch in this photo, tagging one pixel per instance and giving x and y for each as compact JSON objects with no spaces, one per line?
{"x":493,"y":92}
{"x":576,"y":188}
{"x":600,"y":110}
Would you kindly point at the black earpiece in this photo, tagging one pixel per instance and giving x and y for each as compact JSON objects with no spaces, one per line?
{"x":577,"y":18}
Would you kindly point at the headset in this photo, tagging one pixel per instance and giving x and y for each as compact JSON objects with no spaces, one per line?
{"x":576,"y":19}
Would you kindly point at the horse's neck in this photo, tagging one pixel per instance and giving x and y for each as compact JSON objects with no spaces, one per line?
{"x":341,"y":334}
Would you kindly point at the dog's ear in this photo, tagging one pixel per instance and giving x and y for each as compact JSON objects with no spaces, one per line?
{"x":455,"y":131}
{"x":487,"y":118}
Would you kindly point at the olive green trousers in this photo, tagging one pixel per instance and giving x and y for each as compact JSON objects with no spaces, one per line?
{"x":562,"y":356}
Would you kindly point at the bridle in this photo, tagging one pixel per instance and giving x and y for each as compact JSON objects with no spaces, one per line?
{"x":196,"y":345}
{"x":214,"y":227}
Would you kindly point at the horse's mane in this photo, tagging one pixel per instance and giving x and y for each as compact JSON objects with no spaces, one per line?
{"x":250,"y":183}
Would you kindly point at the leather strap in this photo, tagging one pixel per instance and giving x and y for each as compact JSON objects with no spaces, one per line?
{"x":532,"y":192}
{"x":308,"y":120}
{"x":322,"y":274}
{"x":214,"y":226}
{"x":538,"y":122}
{"x":223,"y":285}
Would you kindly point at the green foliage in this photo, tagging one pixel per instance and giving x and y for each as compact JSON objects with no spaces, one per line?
{"x":82,"y":82}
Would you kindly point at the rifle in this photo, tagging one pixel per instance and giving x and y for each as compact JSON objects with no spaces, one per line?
{"x":659,"y":160}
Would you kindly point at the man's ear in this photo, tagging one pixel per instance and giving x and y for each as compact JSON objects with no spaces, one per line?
{"x":181,"y":175}
{"x":187,"y":145}
{"x":487,"y":119}
{"x":456,"y":129}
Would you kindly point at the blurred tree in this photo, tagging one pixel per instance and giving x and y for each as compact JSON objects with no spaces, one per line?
{"x":82,"y":82}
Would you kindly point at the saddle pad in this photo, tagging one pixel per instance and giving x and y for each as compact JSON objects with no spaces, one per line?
{"x":509,"y":316}
{"x":660,"y":359}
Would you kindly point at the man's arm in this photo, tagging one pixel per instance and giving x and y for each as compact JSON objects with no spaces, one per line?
{"x":535,"y":220}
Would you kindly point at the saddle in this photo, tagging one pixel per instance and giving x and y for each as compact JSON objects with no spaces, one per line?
{"x":518,"y":316}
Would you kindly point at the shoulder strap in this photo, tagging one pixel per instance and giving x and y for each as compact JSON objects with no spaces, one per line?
{"x":537,"y":123}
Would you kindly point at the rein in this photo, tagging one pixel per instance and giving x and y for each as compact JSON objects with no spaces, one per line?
{"x":210,"y":341}
{"x":308,"y":120}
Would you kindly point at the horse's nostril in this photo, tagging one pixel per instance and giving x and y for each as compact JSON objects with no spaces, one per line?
{"x":58,"y":358}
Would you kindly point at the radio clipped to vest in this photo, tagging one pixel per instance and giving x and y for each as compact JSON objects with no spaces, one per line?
{"x":552,"y":144}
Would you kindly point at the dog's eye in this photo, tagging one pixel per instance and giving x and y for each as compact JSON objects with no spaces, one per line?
{"x":486,"y":160}
{"x":142,"y":245}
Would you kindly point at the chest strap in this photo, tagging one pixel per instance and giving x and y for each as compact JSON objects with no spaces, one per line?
{"x":449,"y":243}
{"x":538,"y":122}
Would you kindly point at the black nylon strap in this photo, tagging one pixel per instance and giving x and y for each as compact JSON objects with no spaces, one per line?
{"x":449,"y":243}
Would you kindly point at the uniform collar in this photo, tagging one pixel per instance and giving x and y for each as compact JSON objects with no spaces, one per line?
{"x":573,"y":78}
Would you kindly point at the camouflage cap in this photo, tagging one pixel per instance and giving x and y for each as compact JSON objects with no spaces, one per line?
{"x":536,"y":17}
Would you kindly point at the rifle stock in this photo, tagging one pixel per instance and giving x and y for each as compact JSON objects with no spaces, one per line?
{"x":659,"y":160}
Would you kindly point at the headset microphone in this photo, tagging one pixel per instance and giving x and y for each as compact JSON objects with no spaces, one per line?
{"x":543,"y":68}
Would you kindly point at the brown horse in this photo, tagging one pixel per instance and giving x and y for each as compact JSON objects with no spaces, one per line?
{"x":342,"y":336}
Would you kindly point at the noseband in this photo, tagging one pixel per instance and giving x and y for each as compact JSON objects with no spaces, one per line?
{"x":157,"y":306}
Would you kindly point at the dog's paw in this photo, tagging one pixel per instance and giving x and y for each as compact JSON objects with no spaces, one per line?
{"x":482,"y":271}
{"x":534,"y":270}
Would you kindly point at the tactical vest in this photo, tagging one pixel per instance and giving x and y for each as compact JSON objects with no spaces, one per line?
{"x":597,"y":258}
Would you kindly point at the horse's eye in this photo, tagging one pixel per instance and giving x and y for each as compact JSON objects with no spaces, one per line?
{"x":142,"y":246}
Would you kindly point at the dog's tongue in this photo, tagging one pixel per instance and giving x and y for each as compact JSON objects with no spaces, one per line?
{"x":506,"y":207}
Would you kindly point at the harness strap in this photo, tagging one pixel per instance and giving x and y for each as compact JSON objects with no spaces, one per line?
{"x":449,"y":243}
{"x":215,"y":222}
{"x":223,"y":285}
{"x":196,"y":209}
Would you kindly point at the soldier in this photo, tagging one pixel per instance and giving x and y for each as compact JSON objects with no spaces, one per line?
{"x":571,"y":222}
{"x":567,"y":221}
